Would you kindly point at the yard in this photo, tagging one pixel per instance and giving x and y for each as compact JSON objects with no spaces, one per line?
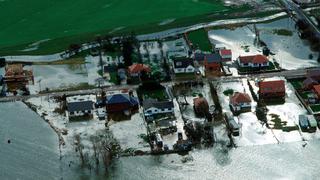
{"x":46,"y":31}
{"x":200,"y":39}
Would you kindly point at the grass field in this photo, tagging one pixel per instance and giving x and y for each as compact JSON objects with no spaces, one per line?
{"x":200,"y":39}
{"x":62,"y":22}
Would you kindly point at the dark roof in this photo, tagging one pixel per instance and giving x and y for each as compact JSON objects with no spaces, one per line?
{"x":109,"y":68}
{"x":315,"y":73}
{"x":199,"y":56}
{"x":182,"y":62}
{"x":213,"y":58}
{"x":149,"y":103}
{"x":80,"y":106}
{"x":122,"y":98}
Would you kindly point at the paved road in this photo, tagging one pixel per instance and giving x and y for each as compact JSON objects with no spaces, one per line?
{"x":288,"y":74}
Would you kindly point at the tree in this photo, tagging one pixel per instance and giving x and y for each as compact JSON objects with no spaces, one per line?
{"x":127,"y":50}
{"x":74,"y":49}
{"x":79,"y":148}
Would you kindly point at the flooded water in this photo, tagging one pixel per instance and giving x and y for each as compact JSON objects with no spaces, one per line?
{"x":33,"y":154}
{"x":33,"y":149}
{"x":283,"y":161}
{"x":291,"y":52}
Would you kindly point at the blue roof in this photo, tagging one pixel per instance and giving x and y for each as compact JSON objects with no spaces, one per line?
{"x":199,"y":56}
{"x":213,"y":58}
{"x":122,"y":98}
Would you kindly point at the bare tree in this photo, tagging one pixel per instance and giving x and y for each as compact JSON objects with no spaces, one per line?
{"x":79,"y":148}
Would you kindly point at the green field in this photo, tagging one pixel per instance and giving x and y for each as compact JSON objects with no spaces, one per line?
{"x":62,"y":22}
{"x":200,"y":39}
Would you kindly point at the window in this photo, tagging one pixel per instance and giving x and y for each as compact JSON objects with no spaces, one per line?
{"x":179,"y":63}
{"x":156,"y":110}
{"x":169,"y":109}
{"x":149,"y":111}
{"x":71,"y":113}
{"x":162,"y":109}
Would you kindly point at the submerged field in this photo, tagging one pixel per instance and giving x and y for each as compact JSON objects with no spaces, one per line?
{"x":55,"y":22}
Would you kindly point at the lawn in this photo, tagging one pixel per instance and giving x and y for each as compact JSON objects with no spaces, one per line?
{"x":200,"y":39}
{"x":296,"y":83}
{"x":62,"y":22}
{"x":315,"y":108}
{"x":157,"y":94}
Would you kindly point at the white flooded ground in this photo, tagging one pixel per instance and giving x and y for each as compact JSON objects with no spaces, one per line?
{"x":290,"y":51}
{"x":46,"y":108}
{"x":128,"y":133}
{"x":93,"y":67}
{"x":253,"y":132}
{"x":57,"y":76}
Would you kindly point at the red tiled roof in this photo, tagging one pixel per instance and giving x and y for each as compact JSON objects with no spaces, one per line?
{"x":259,"y":59}
{"x":137,"y":68}
{"x":317,"y":88}
{"x":272,"y":86}
{"x":225,"y":52}
{"x":200,"y":100}
{"x":240,"y":98}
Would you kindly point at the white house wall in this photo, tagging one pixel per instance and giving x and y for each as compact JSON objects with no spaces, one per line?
{"x":154,"y":111}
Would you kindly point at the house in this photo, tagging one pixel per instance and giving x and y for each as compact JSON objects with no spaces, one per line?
{"x":122,"y":74}
{"x":255,"y":61}
{"x":240,"y":101}
{"x":199,"y":57}
{"x":121,"y":102}
{"x":16,"y":73}
{"x":226,"y":54}
{"x":136,"y":69}
{"x":107,"y":70}
{"x":183,"y":65}
{"x":314,"y":74}
{"x":218,"y":47}
{"x":316,"y":90}
{"x":80,"y":106}
{"x":272,"y":89}
{"x":154,"y":107}
{"x":212,"y":62}
{"x":200,"y":106}
{"x":309,"y":83}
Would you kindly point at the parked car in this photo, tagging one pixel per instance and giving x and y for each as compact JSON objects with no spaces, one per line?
{"x":312,"y":123}
{"x":233,"y":125}
{"x":159,"y":140}
{"x":101,"y":113}
{"x":303,"y":122}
